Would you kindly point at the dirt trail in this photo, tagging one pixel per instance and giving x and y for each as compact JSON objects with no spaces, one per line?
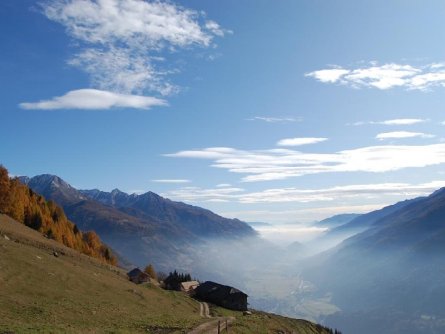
{"x":204,"y":310}
{"x":211,"y":327}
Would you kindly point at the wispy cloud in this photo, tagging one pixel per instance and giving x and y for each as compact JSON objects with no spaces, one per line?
{"x":171,"y":181}
{"x":122,"y":70}
{"x":385,"y":76}
{"x":402,"y":134}
{"x":300,"y":141}
{"x":121,"y":41}
{"x":398,"y":121}
{"x":304,"y":215}
{"x":279,"y":164}
{"x":196,"y":194}
{"x":95,"y":99}
{"x":276,"y":119}
{"x":297,"y":195}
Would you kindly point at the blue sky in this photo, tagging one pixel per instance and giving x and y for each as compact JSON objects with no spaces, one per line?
{"x":277,"y":111}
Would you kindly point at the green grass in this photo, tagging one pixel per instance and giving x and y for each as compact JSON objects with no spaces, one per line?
{"x":264,"y":323}
{"x":41,"y":293}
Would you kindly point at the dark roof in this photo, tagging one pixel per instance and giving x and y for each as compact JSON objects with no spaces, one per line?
{"x":217,"y":290}
{"x":135,"y":272}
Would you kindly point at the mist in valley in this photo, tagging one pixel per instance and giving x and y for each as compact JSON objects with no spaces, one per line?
{"x":309,"y":272}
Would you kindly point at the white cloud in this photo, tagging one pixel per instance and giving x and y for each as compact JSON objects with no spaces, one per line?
{"x":329,"y":75}
{"x":275,"y":119}
{"x":216,"y":29}
{"x":300,"y":141}
{"x":121,"y":40}
{"x":195,"y":194}
{"x":122,"y":70}
{"x":95,"y":99}
{"x":398,"y":121}
{"x":403,"y":121}
{"x":297,"y":195}
{"x":279,"y":164}
{"x":385,"y":76}
{"x":223,"y":185}
{"x":171,"y":181}
{"x":131,"y":22}
{"x":402,"y":134}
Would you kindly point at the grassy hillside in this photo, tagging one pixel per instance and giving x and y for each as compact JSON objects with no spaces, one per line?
{"x":24,"y":205}
{"x":74,"y":293}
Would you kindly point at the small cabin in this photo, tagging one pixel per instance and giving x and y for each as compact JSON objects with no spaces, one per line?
{"x":222,"y":295}
{"x":189,"y":286}
{"x":138,"y":276}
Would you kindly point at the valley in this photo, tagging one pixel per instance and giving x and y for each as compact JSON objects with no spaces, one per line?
{"x":352,"y":270}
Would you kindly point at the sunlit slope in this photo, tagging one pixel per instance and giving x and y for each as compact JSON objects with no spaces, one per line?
{"x":72,"y":293}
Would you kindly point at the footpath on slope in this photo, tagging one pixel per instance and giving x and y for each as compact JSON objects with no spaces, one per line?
{"x":210,"y":327}
{"x":204,"y":310}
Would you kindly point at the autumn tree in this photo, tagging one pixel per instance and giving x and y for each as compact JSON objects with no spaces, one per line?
{"x":150,"y":270}
{"x":4,"y":189}
{"x":31,"y":209}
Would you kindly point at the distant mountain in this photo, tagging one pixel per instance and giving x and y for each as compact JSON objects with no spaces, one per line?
{"x":337,"y":220}
{"x":53,"y":187}
{"x":390,"y":277}
{"x":143,"y":228}
{"x":196,"y":220}
{"x":335,"y":235}
{"x":365,"y":221}
{"x":19,"y":202}
{"x":295,"y":251}
{"x":259,"y":224}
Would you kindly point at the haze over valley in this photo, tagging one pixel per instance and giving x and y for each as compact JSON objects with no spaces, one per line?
{"x":345,"y":275}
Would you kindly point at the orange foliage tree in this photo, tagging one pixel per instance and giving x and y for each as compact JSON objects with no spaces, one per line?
{"x":22,"y":204}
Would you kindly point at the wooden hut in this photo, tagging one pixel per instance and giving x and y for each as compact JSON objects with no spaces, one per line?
{"x":189,"y":286}
{"x":222,"y":295}
{"x":138,"y":276}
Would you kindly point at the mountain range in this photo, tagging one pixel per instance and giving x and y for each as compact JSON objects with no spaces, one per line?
{"x":380,"y":272}
{"x":144,"y":228}
{"x":390,"y":276}
{"x":337,"y":220}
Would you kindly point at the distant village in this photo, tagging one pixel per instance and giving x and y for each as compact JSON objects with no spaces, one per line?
{"x":212,"y":292}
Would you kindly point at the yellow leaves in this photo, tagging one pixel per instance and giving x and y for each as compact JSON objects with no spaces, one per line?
{"x":21,"y":203}
{"x":150,"y":270}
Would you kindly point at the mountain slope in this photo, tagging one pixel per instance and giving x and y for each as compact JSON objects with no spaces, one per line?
{"x":337,"y":220}
{"x":392,"y":272}
{"x":20,"y":202}
{"x":53,"y":186}
{"x":359,"y":224}
{"x":365,"y":221}
{"x":142,"y":228}
{"x":197,"y":220}
{"x":73,"y":293}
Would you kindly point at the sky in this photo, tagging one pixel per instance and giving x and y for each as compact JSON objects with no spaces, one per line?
{"x":268,"y":111}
